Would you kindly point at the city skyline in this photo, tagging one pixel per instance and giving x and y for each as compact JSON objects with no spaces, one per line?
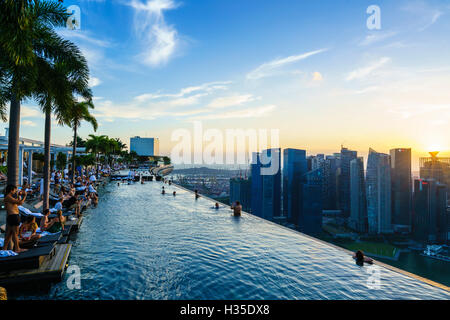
{"x":380,"y":89}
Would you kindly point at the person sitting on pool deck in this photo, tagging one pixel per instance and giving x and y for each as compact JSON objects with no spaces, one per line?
{"x":27,"y":231}
{"x":56,"y":224}
{"x":12,"y":200}
{"x":44,"y":220}
{"x":361,"y":258}
{"x":237,"y":208}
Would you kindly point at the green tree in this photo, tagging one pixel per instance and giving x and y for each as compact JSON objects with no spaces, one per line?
{"x":27,"y":38}
{"x":96,"y":145}
{"x":76,"y":113}
{"x":61,"y":160}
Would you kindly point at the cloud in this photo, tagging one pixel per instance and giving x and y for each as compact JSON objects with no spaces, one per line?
{"x":206,"y":87}
{"x":366,"y":71}
{"x":231,"y":101}
{"x":376,"y":37}
{"x":30,"y":112}
{"x":93,"y":82}
{"x":427,"y":15}
{"x":84,"y":36}
{"x":267,"y":69}
{"x":159,"y":39}
{"x":28,"y":123}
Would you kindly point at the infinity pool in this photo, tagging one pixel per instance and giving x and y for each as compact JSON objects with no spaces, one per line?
{"x":140,"y":244}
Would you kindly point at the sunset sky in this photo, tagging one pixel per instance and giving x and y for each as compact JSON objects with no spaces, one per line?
{"x":309,"y":68}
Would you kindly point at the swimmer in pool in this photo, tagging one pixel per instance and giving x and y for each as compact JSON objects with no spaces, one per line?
{"x":174,"y":193}
{"x":216,"y":206}
{"x":163,"y":192}
{"x":196,"y":195}
{"x":237,"y":209}
{"x":361,"y":258}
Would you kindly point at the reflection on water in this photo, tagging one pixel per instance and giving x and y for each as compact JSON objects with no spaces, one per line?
{"x":140,"y":244}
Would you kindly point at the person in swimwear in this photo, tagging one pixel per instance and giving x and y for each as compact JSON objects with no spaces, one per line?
{"x":237,"y":209}
{"x":12,"y":200}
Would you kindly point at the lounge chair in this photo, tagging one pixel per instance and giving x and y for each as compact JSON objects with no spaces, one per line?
{"x":30,"y":259}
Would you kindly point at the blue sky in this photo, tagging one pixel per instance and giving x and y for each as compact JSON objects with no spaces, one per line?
{"x":309,"y":68}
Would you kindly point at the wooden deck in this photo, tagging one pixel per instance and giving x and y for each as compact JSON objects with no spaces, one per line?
{"x":76,"y":224}
{"x":51,"y":268}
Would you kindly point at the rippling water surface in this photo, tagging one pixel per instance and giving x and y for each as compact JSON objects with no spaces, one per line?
{"x":140,"y":244}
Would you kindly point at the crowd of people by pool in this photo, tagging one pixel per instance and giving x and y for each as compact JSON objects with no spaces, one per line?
{"x":65,"y":195}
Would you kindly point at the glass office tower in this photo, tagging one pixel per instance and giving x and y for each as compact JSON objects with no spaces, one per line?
{"x":344,"y":180}
{"x":294,"y":168}
{"x":378,"y":192}
{"x":358,"y":201}
{"x":401,"y":187}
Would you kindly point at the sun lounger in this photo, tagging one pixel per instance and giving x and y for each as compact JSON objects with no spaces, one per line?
{"x":30,"y":259}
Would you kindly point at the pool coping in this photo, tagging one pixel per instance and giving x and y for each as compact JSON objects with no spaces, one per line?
{"x":376,"y":262}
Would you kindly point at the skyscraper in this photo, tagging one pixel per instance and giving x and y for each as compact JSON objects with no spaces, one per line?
{"x":240,"y":190}
{"x":378,"y":185}
{"x":330,"y":168}
{"x":430,"y":221}
{"x":344,"y":180}
{"x":294,"y":168}
{"x":266,"y":185}
{"x":256,"y":185}
{"x":310,"y":216}
{"x":436,"y":168}
{"x":401,"y":187}
{"x":358,"y":201}
{"x":271,"y":202}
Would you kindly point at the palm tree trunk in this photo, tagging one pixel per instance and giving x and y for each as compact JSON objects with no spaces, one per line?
{"x":48,"y":128}
{"x":74,"y":152}
{"x":13,"y":141}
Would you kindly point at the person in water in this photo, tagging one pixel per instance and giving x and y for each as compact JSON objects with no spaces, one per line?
{"x":163,"y":191}
{"x":174,"y":193}
{"x":237,"y":209}
{"x":361,"y":258}
{"x":216,"y":205}
{"x":12,"y":200}
{"x":196,"y":194}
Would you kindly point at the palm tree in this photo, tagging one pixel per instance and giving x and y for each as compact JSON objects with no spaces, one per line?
{"x":27,"y":35}
{"x":55,"y":88}
{"x":96,"y":145}
{"x":78,"y":112}
{"x":122,"y":146}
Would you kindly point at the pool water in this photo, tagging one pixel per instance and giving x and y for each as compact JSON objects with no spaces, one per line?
{"x":140,"y":244}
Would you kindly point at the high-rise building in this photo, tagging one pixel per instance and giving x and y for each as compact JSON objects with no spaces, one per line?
{"x":430,"y":217}
{"x":358,"y":201}
{"x":378,"y":192}
{"x":436,"y":168}
{"x":266,"y":185}
{"x":271,"y":202}
{"x":330,"y":196}
{"x":256,"y":185}
{"x":310,"y":216}
{"x":294,"y":168}
{"x":240,"y":190}
{"x":145,"y":147}
{"x":401,"y":188}
{"x":344,"y":180}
